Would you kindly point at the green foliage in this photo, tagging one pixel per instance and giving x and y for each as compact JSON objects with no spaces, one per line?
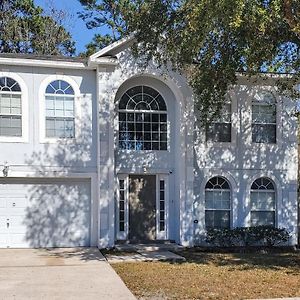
{"x":209,"y":41}
{"x":109,"y":14}
{"x":24,"y":28}
{"x":213,"y":40}
{"x":247,"y":236}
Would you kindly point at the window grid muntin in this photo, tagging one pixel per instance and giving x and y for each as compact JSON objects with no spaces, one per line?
{"x":121,"y":205}
{"x":10,"y":114}
{"x":225,"y":120}
{"x":257,"y":110}
{"x":6,"y":87}
{"x":217,"y":187}
{"x":68,"y":90}
{"x":67,"y":130}
{"x":162,"y":205}
{"x":145,"y":129}
{"x":258,"y":187}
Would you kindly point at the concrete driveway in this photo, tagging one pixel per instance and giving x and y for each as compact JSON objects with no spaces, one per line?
{"x":80,"y":273}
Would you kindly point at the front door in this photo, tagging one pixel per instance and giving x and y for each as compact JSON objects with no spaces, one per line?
{"x":142,"y":208}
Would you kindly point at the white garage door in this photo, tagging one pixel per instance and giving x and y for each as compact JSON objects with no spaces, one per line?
{"x":44,"y":213}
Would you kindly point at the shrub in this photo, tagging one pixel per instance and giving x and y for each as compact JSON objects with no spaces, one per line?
{"x":247,"y":236}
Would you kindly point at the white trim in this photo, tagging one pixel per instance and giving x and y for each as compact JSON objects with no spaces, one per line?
{"x":25,"y":110}
{"x":93,"y":192}
{"x":94,"y":57}
{"x":278,"y":196}
{"x":233,"y":198}
{"x":162,"y":235}
{"x":54,"y":63}
{"x":122,"y":235}
{"x":42,"y":107}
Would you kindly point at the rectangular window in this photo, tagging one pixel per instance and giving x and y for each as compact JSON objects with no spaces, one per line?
{"x":10,"y":115}
{"x":143,"y":131}
{"x":122,"y":205}
{"x":162,"y":205}
{"x":263,"y":122}
{"x":60,"y":112}
{"x":220,"y":129}
{"x":262,"y":208}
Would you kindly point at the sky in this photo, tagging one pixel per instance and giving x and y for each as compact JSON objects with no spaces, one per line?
{"x":81,"y":35}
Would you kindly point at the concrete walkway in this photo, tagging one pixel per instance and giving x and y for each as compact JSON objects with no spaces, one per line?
{"x":57,"y":274}
{"x":144,"y":255}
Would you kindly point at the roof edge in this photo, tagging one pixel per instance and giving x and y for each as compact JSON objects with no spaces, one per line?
{"x":105,"y":51}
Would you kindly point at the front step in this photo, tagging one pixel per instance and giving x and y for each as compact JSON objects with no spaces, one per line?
{"x":165,"y":246}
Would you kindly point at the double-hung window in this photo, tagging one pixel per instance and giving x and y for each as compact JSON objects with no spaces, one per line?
{"x":262,"y":202}
{"x":264,"y":118}
{"x":217,"y":203}
{"x":220,"y":129}
{"x":60,"y":110}
{"x":10,"y":108}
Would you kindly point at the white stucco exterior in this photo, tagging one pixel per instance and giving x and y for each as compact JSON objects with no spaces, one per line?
{"x":92,"y":158}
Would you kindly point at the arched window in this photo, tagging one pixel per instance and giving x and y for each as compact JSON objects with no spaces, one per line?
{"x":264,"y":118}
{"x":262,"y":202}
{"x":10,"y":107}
{"x":60,"y":111}
{"x":217,"y":203}
{"x":142,"y":120}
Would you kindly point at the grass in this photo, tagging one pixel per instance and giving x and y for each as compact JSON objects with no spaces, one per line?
{"x":215,"y":276}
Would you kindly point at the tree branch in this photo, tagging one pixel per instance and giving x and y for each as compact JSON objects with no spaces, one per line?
{"x":290,"y":18}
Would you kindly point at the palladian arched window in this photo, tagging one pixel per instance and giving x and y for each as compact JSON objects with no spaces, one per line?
{"x":143,"y":120}
{"x":262,"y":202}
{"x":217,"y":203}
{"x":60,"y":110}
{"x":10,"y":107}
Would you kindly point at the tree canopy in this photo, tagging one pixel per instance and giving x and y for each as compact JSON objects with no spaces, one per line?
{"x":25,"y":28}
{"x":209,"y":41}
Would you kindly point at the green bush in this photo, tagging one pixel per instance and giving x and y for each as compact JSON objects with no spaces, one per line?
{"x":247,"y":236}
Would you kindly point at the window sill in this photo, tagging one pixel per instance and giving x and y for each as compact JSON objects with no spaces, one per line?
{"x":57,"y":140}
{"x":10,"y":139}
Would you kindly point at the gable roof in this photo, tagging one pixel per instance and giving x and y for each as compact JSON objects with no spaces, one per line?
{"x":111,"y":50}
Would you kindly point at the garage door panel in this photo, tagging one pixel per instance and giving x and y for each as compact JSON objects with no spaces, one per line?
{"x":49,"y":214}
{"x":2,"y":203}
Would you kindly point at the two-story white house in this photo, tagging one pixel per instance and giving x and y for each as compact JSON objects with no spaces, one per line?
{"x":98,"y":151}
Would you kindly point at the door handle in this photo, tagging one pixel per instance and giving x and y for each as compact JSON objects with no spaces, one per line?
{"x":7,"y":223}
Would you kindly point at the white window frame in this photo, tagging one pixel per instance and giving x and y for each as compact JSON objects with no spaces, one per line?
{"x":126,"y":111}
{"x":42,"y":108}
{"x":264,"y":103}
{"x":230,"y":210}
{"x":25,"y":110}
{"x":162,"y":235}
{"x":122,"y":235}
{"x":217,"y":121}
{"x":274,"y":210}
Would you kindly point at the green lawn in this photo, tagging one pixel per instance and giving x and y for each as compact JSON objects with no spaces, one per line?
{"x":215,"y":276}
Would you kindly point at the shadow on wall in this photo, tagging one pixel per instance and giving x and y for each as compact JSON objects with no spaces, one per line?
{"x":242,"y":160}
{"x":59,"y":207}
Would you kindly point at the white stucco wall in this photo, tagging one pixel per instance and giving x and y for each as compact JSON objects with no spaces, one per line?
{"x":241,"y":161}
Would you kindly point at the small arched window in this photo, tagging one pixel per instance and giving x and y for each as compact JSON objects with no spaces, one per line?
{"x":217,"y":203}
{"x":262,"y":202}
{"x":142,"y":120}
{"x":60,"y":110}
{"x":264,"y":118}
{"x":10,"y":107}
